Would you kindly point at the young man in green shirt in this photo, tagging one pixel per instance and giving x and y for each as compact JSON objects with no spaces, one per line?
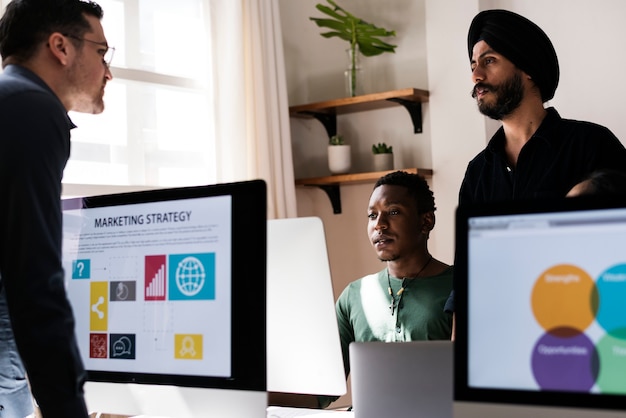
{"x":404,"y":301}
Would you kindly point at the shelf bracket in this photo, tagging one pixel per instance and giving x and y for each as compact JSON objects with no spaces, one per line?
{"x":332,"y":190}
{"x":414,"y":109}
{"x":329,"y":120}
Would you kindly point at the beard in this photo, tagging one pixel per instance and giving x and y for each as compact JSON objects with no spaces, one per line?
{"x":390,"y":258}
{"x":87,"y":94}
{"x":509,"y":95}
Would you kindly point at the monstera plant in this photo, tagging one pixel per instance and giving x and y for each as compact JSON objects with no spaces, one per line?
{"x":357,"y":32}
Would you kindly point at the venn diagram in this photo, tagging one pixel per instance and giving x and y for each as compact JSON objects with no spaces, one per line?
{"x":566,"y":301}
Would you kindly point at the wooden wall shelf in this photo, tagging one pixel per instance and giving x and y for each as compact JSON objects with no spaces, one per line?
{"x":330,"y":184}
{"x":326,"y":112}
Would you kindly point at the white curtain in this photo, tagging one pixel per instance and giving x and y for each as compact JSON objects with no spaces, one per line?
{"x":252,"y":123}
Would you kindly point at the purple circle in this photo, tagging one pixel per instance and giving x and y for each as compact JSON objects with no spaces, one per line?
{"x":565,"y":363}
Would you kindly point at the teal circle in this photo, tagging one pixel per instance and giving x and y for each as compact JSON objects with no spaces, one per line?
{"x":611,"y":285}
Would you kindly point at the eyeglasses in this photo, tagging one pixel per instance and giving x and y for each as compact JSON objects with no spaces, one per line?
{"x":107,"y":56}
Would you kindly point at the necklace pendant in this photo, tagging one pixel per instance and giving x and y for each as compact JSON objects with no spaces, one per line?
{"x":392,"y":307}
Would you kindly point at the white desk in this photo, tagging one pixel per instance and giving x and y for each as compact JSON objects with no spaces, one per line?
{"x":288,"y":412}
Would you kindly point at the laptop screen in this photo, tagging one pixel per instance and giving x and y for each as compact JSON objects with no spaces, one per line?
{"x":540,"y":289}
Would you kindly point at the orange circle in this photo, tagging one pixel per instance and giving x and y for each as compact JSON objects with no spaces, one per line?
{"x":564,"y":297}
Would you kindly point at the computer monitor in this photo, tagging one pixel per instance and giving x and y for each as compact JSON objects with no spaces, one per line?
{"x":168,"y":288}
{"x":303,"y":348}
{"x":541,"y":319}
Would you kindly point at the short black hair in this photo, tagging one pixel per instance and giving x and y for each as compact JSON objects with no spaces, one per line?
{"x":416,"y":185}
{"x":27,"y":23}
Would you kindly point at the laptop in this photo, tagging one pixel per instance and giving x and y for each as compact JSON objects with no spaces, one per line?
{"x":408,"y":379}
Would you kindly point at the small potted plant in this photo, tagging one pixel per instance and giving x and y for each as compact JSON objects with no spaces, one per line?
{"x":383,"y":157}
{"x":339,"y":161}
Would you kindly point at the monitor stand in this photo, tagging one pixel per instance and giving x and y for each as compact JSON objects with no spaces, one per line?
{"x":132,"y":399}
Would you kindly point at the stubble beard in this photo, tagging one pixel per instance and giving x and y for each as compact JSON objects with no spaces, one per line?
{"x":509,"y":95}
{"x":91,"y":104}
{"x":391,"y":258}
{"x":87,"y":98}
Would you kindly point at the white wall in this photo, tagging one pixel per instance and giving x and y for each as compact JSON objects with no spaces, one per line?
{"x":588,"y":38}
{"x":315,"y":67}
{"x":315,"y":72}
{"x":458,"y":130}
{"x":432,"y":55}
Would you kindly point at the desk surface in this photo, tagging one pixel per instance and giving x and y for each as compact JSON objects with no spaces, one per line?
{"x":289,"y":412}
{"x":272,"y":412}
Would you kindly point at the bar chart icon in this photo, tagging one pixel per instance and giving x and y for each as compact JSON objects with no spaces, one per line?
{"x":155,"y":277}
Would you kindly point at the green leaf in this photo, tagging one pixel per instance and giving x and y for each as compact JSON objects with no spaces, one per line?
{"x":375,"y":32}
{"x":336,"y":34}
{"x":354,"y":30}
{"x":381,"y":148}
{"x":336,"y":140}
{"x":330,"y":12}
{"x":329,"y":23}
{"x":370,"y":51}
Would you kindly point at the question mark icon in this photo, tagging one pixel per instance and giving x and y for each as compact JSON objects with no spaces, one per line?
{"x":81,"y":269}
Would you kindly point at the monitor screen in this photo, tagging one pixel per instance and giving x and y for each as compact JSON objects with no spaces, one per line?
{"x":307,"y":359}
{"x":541,"y":318}
{"x":168,"y":289}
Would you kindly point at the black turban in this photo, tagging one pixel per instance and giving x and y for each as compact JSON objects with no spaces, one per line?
{"x":522,"y":42}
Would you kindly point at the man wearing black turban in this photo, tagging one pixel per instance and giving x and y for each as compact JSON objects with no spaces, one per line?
{"x":535,"y":153}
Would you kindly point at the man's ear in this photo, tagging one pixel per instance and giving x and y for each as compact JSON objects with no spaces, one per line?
{"x":59,"y":47}
{"x":429,"y":222}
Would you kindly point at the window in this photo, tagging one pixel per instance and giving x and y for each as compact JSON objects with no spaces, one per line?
{"x":157,"y":127}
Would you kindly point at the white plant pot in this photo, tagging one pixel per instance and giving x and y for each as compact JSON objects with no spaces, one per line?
{"x":339,"y":161}
{"x":383,"y":162}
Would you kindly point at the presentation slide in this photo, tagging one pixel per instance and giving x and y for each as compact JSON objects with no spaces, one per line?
{"x":547,"y":307}
{"x":150,"y":286}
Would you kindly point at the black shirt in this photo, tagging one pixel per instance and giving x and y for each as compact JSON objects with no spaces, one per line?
{"x":34,"y":148}
{"x":561,"y":153}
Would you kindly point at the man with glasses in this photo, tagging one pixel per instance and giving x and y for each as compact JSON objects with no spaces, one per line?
{"x":56,"y":59}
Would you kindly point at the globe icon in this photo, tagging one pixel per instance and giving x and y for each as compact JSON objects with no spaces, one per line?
{"x":190,"y":276}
